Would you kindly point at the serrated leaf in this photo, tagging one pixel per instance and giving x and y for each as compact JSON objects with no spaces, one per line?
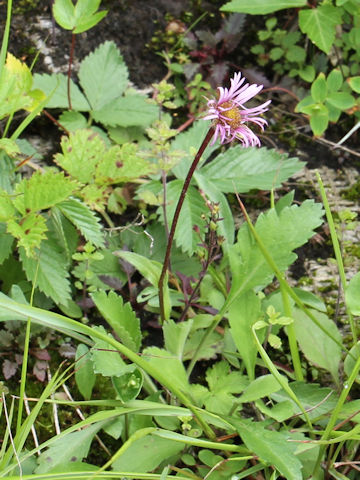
{"x":55,"y":86}
{"x":106,"y":360}
{"x":319,"y":24}
{"x":319,"y":348}
{"x":83,"y":219}
{"x":280,"y":234}
{"x":272,"y":447}
{"x":120,"y":317}
{"x":29,"y":231}
{"x":84,"y":372}
{"x":9,"y":146}
{"x":132,"y":110}
{"x":49,"y":270}
{"x":122,"y":164}
{"x":82,"y":150}
{"x":258,"y":7}
{"x":72,"y":447}
{"x":192,"y":209}
{"x":7,"y":209}
{"x":103,"y":75}
{"x":42,"y":191}
{"x":242,"y":169}
{"x":212,"y":345}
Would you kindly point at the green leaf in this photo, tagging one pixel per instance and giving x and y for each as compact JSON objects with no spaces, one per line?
{"x":6,"y":242}
{"x":190,"y":215}
{"x":82,"y":151}
{"x":105,"y":359}
{"x":84,"y":372}
{"x":72,"y":447}
{"x":272,"y":447}
{"x":307,"y":73}
{"x":42,"y":191}
{"x":55,"y":86}
{"x":319,"y":24}
{"x":72,"y":120}
{"x":334,"y":80}
{"x":354,"y":83}
{"x":212,"y":345}
{"x":318,"y":347}
{"x":169,"y":365}
{"x":319,"y":119}
{"x":281,"y":234}
{"x":7,"y":209}
{"x":128,"y":385}
{"x":241,"y":169}
{"x":175,"y":336}
{"x":352,"y":295}
{"x":29,"y":231}
{"x":258,"y":7}
{"x":103,"y":75}
{"x":145,"y":454}
{"x":49,"y":270}
{"x":341,"y":100}
{"x":84,"y":220}
{"x":243,"y":314}
{"x":64,"y":13}
{"x":259,"y":388}
{"x":319,"y":89}
{"x":88,"y":22}
{"x":120,"y":317}
{"x":132,"y":110}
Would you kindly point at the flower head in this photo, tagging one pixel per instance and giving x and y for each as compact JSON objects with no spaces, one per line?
{"x":230,"y":115}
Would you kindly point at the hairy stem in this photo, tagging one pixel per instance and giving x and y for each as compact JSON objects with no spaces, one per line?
{"x":176,"y":218}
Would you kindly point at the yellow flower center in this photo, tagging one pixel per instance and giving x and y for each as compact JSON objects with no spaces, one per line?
{"x":233,"y":115}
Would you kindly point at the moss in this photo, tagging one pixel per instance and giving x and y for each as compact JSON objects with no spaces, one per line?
{"x":352,"y":193}
{"x":24,"y":6}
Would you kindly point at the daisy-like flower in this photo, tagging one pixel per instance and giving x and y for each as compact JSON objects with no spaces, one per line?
{"x":230,"y":116}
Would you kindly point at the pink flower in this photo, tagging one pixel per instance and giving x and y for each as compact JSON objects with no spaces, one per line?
{"x":230,"y":115}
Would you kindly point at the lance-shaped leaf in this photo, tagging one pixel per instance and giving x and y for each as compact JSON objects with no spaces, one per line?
{"x":259,"y":7}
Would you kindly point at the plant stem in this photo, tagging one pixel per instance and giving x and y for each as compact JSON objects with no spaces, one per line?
{"x":337,"y":251}
{"x":72,"y":49}
{"x":176,"y":218}
{"x":5,"y":39}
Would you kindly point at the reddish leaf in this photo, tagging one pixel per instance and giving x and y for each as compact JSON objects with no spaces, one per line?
{"x":9,"y":369}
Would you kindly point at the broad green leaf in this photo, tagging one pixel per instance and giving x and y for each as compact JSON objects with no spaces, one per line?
{"x":29,"y":231}
{"x":105,"y":359}
{"x":72,"y":447}
{"x":319,"y":119}
{"x":169,"y":365}
{"x":243,"y":313}
{"x":280,"y":412}
{"x":7,"y":209}
{"x":354,"y":83}
{"x":334,"y":80}
{"x":64,"y":13}
{"x":259,"y":388}
{"x":241,"y":169}
{"x":259,"y":7}
{"x":72,"y":120}
{"x":120,"y":317}
{"x":82,"y":151}
{"x":319,"y":89}
{"x":350,"y":360}
{"x":55,"y":86}
{"x":308,"y":298}
{"x":84,"y":372}
{"x":65,"y":233}
{"x":132,"y":110}
{"x":352,"y":295}
{"x":222,"y":384}
{"x":42,"y":191}
{"x":49,"y":270}
{"x":341,"y":100}
{"x":145,"y":454}
{"x":88,"y":22}
{"x":9,"y":146}
{"x":212,"y":345}
{"x":281,"y":234}
{"x":103,"y":75}
{"x":192,"y":210}
{"x":122,"y":164}
{"x":271,"y":447}
{"x":318,"y":347}
{"x":6,"y":242}
{"x":316,"y":400}
{"x":84,"y":220}
{"x":319,"y":24}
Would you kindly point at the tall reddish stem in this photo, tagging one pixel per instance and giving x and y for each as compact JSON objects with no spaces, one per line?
{"x":176,"y":219}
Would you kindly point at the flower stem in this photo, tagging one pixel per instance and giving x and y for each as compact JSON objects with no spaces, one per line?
{"x":176,"y":218}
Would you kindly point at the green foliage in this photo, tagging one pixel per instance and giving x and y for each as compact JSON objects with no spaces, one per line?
{"x":257,"y":7}
{"x":79,"y":17}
